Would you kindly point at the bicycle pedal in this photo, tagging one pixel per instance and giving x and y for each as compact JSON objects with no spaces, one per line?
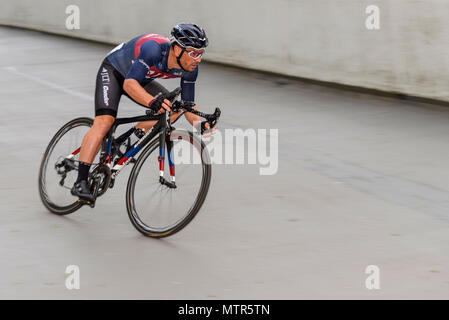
{"x":87,"y":202}
{"x":91,"y":204}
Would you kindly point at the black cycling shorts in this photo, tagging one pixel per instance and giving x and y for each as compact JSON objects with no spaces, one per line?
{"x":109,"y":89}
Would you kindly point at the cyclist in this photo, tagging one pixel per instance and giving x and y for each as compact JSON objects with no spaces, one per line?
{"x":130,"y":69}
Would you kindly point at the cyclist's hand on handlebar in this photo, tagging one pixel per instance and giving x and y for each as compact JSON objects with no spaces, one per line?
{"x":165,"y":106}
{"x":207,"y":130}
{"x":159,"y":104}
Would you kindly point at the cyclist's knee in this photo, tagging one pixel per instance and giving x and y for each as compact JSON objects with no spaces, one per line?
{"x":103,"y":123}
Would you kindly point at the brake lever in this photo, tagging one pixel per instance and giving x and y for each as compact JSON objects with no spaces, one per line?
{"x":214,"y":118}
{"x":217,"y":113}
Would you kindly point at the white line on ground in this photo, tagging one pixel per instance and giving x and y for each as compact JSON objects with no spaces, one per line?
{"x":50,"y":84}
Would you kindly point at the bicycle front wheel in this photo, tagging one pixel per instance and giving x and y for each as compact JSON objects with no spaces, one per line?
{"x":157,"y":210}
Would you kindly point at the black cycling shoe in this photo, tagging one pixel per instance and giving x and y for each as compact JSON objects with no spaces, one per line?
{"x":81,"y":190}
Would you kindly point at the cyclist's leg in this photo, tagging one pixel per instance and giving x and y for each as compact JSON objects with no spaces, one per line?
{"x":108,"y":91}
{"x":92,"y":140}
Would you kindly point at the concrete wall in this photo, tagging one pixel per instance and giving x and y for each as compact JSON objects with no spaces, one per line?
{"x":324,"y":40}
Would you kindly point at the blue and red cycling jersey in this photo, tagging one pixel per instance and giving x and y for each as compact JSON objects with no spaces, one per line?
{"x":144,"y":59}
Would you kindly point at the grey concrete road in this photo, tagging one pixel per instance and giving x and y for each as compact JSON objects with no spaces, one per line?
{"x":361,"y":181}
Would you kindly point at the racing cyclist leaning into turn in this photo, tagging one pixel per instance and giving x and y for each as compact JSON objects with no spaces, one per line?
{"x":130,"y":69}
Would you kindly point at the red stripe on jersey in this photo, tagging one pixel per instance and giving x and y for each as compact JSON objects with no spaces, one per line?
{"x":147,"y":37}
{"x":156,"y":73}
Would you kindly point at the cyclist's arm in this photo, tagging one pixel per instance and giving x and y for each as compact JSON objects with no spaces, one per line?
{"x":188,"y":94}
{"x":137,"y":92}
{"x":150,"y":53}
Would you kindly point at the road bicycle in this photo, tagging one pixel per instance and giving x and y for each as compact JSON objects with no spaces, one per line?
{"x":158,"y":206}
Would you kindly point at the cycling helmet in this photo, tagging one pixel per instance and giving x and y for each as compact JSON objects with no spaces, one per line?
{"x":189,"y":35}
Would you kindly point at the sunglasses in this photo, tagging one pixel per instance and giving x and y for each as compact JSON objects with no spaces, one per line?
{"x":195,"y":54}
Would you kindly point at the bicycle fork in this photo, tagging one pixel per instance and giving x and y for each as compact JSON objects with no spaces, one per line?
{"x":163,"y":141}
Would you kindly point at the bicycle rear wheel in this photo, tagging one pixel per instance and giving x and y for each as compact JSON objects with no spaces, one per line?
{"x":59,"y":168}
{"x":156,"y":210}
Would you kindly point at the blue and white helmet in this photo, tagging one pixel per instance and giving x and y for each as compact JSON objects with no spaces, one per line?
{"x":189,"y":35}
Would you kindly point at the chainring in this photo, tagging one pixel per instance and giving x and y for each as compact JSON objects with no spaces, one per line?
{"x":102,"y":174}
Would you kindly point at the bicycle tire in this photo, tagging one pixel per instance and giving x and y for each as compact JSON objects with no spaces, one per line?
{"x":205,"y":183}
{"x":52,"y":207}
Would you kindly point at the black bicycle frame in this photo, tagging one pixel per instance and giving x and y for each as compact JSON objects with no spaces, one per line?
{"x":159,"y":128}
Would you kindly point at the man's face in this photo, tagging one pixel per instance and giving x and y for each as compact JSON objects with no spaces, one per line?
{"x":191,"y":57}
